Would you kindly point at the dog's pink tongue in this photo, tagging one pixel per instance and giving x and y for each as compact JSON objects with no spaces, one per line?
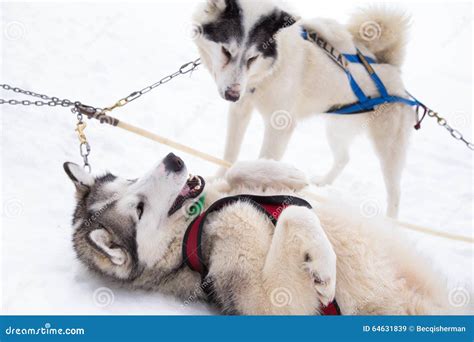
{"x":185,"y":191}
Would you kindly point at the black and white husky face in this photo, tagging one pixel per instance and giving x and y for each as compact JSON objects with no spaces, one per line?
{"x":120,"y":225}
{"x":238,"y":42}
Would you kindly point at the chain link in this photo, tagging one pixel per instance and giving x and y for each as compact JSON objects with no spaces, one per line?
{"x":78,"y":107}
{"x":50,"y":101}
{"x":183,"y":70}
{"x":84,"y":147}
{"x":454,"y":132}
{"x":54,"y":101}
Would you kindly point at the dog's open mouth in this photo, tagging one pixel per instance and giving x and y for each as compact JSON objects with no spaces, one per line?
{"x":193,"y":188}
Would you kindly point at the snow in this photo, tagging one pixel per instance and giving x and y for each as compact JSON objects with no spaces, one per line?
{"x":99,"y":52}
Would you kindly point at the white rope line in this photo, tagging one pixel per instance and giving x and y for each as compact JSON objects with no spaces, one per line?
{"x":433,"y":232}
{"x":189,"y":150}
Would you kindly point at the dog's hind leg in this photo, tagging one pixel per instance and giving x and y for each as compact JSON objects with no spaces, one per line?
{"x":390,"y":135}
{"x":340,"y":133}
{"x":300,"y":267}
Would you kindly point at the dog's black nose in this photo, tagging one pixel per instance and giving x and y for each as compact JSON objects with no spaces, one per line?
{"x":230,"y":96}
{"x":232,"y":93}
{"x":173,"y":163}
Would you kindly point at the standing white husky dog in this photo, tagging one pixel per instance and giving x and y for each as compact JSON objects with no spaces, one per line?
{"x":256,"y":54}
{"x":134,"y":231}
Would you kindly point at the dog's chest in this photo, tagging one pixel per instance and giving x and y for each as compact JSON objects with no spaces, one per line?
{"x":237,"y":230}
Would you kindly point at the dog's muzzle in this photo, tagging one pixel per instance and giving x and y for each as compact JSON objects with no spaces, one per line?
{"x":232,"y":93}
{"x":173,"y":163}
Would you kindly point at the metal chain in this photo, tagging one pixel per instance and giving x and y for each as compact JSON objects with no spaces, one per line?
{"x":77,"y":107}
{"x":454,"y":132}
{"x":183,"y":70}
{"x":54,"y":101}
{"x":84,"y":147}
{"x":51,"y":101}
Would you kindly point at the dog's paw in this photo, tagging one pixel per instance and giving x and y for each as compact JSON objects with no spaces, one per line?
{"x":321,"y":268}
{"x":266,"y":173}
{"x":295,"y":179}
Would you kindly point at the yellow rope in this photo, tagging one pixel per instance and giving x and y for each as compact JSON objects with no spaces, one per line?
{"x":186,"y":149}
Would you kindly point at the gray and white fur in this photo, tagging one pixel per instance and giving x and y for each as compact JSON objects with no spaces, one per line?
{"x":126,"y":230}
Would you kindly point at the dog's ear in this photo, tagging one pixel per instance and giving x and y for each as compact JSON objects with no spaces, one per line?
{"x":81,"y":179}
{"x":216,"y":5}
{"x":101,"y":239}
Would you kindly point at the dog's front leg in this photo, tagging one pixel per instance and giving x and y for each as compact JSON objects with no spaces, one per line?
{"x":300,"y":267}
{"x":279,"y":128}
{"x":237,"y":123}
{"x":254,"y":272}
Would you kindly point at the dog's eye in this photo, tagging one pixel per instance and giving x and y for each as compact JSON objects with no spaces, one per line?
{"x":251,"y":60}
{"x":140,"y":208}
{"x":226,"y":53}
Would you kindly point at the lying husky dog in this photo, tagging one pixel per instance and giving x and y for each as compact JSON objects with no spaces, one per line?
{"x":133,"y":231}
{"x":255,"y":52}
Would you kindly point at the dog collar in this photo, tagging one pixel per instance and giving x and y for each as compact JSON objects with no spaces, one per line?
{"x":270,"y":206}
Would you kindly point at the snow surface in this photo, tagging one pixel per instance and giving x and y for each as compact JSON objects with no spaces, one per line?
{"x":99,"y":52}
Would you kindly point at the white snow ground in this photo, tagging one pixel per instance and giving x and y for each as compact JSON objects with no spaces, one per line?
{"x":99,"y":52}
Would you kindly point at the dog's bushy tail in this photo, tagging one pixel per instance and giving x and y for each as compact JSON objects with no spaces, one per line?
{"x":383,"y":30}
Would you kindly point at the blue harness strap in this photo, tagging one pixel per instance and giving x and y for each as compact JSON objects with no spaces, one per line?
{"x":365,"y":103}
{"x":356,"y":89}
{"x":355,"y":58}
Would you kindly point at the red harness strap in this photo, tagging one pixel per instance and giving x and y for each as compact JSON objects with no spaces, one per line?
{"x":271,"y":206}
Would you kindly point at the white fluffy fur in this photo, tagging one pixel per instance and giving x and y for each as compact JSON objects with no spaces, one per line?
{"x":390,"y":46}
{"x":303,"y":81}
{"x":378,"y":272}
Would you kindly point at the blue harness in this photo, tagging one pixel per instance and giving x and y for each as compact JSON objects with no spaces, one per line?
{"x":365,"y":103}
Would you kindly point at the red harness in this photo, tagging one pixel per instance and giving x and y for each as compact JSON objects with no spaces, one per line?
{"x":271,"y":206}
